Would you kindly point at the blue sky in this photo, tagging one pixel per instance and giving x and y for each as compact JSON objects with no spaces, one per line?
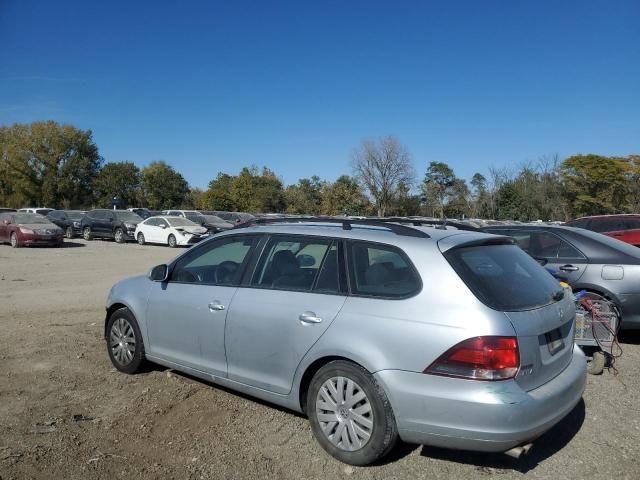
{"x":214,"y":86}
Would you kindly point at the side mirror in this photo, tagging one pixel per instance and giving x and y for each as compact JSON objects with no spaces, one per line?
{"x":163,"y":226}
{"x":159,"y":273}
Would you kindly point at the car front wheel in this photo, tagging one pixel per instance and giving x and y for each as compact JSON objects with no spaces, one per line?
{"x":350,"y":414}
{"x":124,"y":341}
{"x":86,"y":233}
{"x":68,"y":232}
{"x":118,"y":236}
{"x":141,"y":240}
{"x":15,"y":242}
{"x":172,"y":241}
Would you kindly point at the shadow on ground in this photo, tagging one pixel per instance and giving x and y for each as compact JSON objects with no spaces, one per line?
{"x":68,"y":244}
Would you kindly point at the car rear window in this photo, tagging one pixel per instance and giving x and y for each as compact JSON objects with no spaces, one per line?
{"x":381,"y":271}
{"x":504,"y":277}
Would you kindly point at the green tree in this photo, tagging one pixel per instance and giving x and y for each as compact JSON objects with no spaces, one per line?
{"x":595,"y":184}
{"x":344,"y":197}
{"x":163,"y":187}
{"x":118,"y":179}
{"x":48,"y":164}
{"x":305,"y":197}
{"x":218,"y":196}
{"x":437,"y":185}
{"x":509,"y":202}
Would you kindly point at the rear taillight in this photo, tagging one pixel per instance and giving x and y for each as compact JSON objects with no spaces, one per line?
{"x":479,"y":358}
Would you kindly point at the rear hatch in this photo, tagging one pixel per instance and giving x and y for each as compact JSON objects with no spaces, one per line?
{"x":506,"y":279}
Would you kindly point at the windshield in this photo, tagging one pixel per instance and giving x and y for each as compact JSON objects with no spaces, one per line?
{"x":213,"y":219}
{"x":181,"y":222}
{"x":194,"y":217}
{"x":30,"y":219}
{"x":128,"y":217}
{"x":504,"y":277}
{"x":74,"y":214}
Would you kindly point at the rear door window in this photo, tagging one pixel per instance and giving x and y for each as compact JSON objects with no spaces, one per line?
{"x":382,"y":271}
{"x":504,"y":277}
{"x":293,"y":263}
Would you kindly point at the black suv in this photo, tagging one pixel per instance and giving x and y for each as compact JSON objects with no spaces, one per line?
{"x":67,"y":220}
{"x":117,"y":224}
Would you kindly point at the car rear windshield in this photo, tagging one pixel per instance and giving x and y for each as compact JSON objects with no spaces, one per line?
{"x":504,"y":277}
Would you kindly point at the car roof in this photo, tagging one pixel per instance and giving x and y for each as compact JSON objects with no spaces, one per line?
{"x":611,"y":215}
{"x":369,"y":233}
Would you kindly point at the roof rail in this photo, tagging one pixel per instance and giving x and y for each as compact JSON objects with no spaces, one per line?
{"x":439,"y":224}
{"x":347,"y":224}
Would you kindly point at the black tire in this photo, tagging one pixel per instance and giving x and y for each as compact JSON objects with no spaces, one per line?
{"x":140,"y":239}
{"x":86,"y":233}
{"x":118,"y":235}
{"x":384,"y":433}
{"x":126,"y":365}
{"x":597,"y":363}
{"x":68,"y":233}
{"x":14,"y":240}
{"x":172,"y":241}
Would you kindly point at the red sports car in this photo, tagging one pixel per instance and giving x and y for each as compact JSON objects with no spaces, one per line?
{"x":23,"y":229}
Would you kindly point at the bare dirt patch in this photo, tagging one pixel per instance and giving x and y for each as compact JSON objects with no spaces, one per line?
{"x":66,"y":413}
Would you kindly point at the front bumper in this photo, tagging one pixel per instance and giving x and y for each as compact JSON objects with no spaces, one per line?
{"x":476,"y":415}
{"x":30,"y":239}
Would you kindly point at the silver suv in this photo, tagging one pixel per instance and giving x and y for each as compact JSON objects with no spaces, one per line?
{"x":375,"y":330}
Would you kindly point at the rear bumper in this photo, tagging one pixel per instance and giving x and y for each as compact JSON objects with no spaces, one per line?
{"x":630,"y":305}
{"x":476,"y":415}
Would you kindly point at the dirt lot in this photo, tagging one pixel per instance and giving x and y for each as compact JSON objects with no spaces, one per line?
{"x":66,"y":413}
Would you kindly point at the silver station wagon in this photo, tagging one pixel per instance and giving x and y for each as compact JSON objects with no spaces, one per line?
{"x":375,"y":330}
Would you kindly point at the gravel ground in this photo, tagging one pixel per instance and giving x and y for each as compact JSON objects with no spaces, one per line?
{"x":66,"y":413}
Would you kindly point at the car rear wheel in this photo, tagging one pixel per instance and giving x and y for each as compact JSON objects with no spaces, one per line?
{"x":118,"y":235}
{"x":172,"y":241}
{"x":15,"y":242}
{"x":124,"y":341}
{"x":86,"y":233}
{"x":69,"y":232}
{"x":141,"y":239}
{"x":350,"y":414}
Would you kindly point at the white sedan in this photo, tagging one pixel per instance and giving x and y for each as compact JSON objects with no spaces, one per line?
{"x":167,"y":230}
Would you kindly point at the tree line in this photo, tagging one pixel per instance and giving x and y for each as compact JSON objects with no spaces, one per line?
{"x":59,"y":166}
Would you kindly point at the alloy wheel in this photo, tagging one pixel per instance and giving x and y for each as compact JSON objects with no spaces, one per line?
{"x":344,"y":413}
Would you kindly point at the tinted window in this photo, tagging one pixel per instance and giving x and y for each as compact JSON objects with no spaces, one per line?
{"x":541,"y":244}
{"x":128,"y":217}
{"x":152,"y":222}
{"x":29,"y":218}
{"x":291,"y":263}
{"x":215,"y":263}
{"x":329,"y":276}
{"x":631,"y":223}
{"x":381,"y":271}
{"x":503,"y":277}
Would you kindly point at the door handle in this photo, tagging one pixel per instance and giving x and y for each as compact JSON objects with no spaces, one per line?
{"x":215,"y":306}
{"x":569,"y":268}
{"x":309,"y":317}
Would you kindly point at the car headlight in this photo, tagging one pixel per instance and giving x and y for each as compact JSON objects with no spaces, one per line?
{"x":130,"y":226}
{"x":27,"y":230}
{"x":76,"y":224}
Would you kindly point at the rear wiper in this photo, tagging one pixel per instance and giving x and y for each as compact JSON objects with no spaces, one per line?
{"x":559,"y":295}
